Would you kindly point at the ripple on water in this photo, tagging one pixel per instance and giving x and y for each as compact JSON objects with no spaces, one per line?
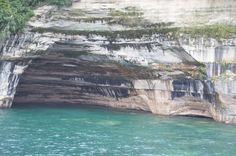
{"x":92,"y":131}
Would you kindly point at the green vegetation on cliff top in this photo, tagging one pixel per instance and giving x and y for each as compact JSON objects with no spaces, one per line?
{"x":127,"y":34}
{"x":219,"y":31}
{"x":15,"y":13}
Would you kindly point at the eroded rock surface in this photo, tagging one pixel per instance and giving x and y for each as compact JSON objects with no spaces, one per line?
{"x":79,"y":77}
{"x":121,"y":54}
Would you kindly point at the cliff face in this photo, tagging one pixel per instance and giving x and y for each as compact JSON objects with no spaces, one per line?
{"x":219,"y":56}
{"x":119,"y":54}
{"x":86,"y":78}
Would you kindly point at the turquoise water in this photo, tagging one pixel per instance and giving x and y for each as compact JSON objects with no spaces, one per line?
{"x":101,"y":131}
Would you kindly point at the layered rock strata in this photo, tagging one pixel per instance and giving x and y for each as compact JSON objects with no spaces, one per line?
{"x":121,"y":55}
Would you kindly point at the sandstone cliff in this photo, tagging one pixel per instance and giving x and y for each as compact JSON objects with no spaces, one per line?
{"x":121,"y":55}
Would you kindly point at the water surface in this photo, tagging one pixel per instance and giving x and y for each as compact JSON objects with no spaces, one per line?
{"x":102,"y":131}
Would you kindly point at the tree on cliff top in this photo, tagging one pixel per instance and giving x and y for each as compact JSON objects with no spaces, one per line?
{"x":15,"y":13}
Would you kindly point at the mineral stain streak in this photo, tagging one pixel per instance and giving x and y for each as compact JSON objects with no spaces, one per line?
{"x":123,"y":56}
